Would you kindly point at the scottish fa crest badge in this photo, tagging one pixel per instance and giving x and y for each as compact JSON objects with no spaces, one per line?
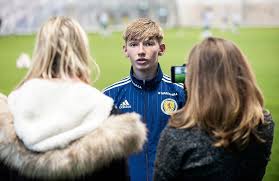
{"x":168,"y":106}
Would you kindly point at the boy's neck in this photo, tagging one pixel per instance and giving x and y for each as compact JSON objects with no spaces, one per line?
{"x":145,"y":75}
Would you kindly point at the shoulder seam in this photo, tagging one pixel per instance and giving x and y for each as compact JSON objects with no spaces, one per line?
{"x":117,"y":84}
{"x":166,"y":77}
{"x":177,"y":84}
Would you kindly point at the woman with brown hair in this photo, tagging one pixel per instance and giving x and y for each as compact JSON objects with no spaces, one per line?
{"x":223,"y":132}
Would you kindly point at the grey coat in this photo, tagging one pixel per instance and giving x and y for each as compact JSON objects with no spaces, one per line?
{"x":188,"y":154}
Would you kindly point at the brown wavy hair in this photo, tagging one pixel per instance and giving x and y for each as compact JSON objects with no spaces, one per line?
{"x":223,"y":96}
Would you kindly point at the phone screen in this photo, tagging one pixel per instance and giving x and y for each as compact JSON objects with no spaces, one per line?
{"x":178,"y":74}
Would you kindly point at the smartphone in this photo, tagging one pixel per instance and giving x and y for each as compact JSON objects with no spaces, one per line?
{"x":178,"y":74}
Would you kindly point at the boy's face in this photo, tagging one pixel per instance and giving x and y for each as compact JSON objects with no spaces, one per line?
{"x":143,"y":54}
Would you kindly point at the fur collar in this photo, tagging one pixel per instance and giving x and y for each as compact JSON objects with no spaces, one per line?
{"x":117,"y":137}
{"x":50,"y":114}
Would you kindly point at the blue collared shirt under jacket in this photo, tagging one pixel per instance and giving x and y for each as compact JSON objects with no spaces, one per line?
{"x":154,"y":99}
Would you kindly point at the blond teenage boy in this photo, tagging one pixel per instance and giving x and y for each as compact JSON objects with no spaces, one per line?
{"x":146,"y":90}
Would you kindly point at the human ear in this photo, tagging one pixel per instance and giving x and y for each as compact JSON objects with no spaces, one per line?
{"x":162,"y":49}
{"x":124,"y":48}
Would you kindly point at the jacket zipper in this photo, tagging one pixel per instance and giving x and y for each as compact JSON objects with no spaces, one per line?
{"x":146,"y":153}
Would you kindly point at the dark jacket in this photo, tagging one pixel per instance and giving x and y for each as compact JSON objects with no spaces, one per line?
{"x":188,"y":154}
{"x":98,"y":155}
{"x":155,"y":100}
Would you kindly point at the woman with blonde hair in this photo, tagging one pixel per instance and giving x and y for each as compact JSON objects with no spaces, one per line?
{"x":223,"y":132}
{"x":55,"y":125}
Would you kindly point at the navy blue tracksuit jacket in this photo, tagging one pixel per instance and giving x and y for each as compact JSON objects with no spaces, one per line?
{"x":154,"y":100}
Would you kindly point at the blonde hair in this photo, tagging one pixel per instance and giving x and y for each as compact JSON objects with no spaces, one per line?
{"x":223,"y":96}
{"x":62,"y":51}
{"x":143,"y":28}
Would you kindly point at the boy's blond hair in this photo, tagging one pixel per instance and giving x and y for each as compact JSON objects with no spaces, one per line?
{"x":142,"y":29}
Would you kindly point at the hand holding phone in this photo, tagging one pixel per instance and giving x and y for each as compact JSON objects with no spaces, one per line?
{"x":178,"y":73}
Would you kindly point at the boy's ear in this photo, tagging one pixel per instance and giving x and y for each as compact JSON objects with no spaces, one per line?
{"x":125,"y":51}
{"x":162,"y":49}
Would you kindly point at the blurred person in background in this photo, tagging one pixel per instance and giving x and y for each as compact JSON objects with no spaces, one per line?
{"x":163,"y":14}
{"x":224,"y":20}
{"x":223,"y":132}
{"x":55,"y":125}
{"x":146,"y":90}
{"x":235,"y":22}
{"x":207,"y":18}
{"x":143,"y":8}
{"x":104,"y":19}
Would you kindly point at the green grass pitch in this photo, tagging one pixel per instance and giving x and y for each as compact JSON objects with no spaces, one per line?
{"x":261,"y":46}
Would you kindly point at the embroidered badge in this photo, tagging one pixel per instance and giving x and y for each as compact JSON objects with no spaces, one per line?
{"x":168,"y":106}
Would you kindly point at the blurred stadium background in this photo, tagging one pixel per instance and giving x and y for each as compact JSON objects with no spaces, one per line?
{"x":25,"y":16}
{"x":252,"y":24}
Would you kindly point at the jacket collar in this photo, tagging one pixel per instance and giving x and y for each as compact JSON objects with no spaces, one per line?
{"x":147,"y":84}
